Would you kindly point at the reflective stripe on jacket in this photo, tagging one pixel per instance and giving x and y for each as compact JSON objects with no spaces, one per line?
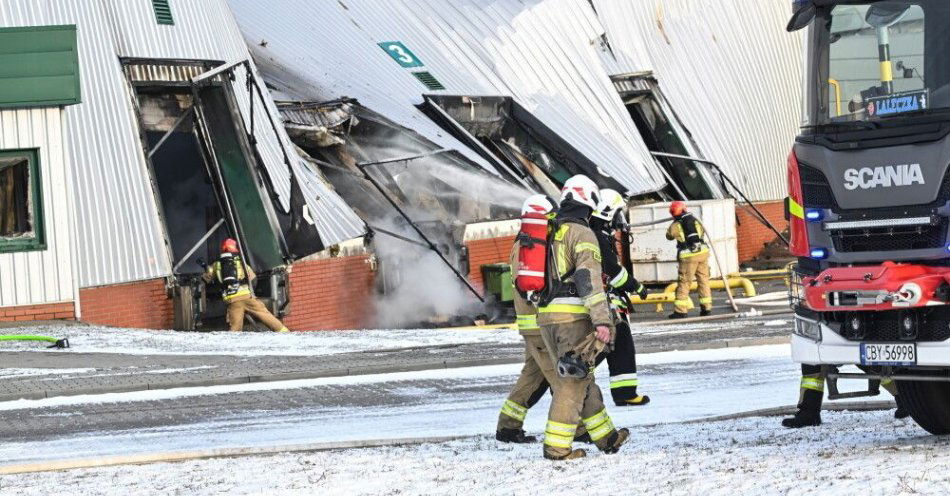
{"x":575,"y":249}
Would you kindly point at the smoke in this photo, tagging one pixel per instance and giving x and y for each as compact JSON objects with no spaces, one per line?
{"x":441,"y":193}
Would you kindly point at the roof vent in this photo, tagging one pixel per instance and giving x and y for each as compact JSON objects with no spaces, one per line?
{"x":429,"y":80}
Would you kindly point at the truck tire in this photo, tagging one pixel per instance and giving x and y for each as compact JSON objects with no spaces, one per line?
{"x":928,"y":403}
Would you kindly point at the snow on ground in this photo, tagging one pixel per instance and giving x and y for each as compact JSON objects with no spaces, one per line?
{"x":31,"y":372}
{"x":94,"y":339}
{"x":852,"y":453}
{"x":684,"y":386}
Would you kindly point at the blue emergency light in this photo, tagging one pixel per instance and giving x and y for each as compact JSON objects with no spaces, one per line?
{"x":813,"y":215}
{"x":819,"y":253}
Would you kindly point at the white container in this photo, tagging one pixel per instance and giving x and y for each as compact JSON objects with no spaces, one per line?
{"x":654,"y":256}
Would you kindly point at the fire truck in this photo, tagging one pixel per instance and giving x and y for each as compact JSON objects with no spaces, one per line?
{"x":869,"y":198}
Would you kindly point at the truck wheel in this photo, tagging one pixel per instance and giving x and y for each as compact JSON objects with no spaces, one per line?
{"x":928,"y":403}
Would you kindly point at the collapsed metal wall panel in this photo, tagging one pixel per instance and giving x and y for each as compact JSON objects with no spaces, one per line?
{"x":730,"y":71}
{"x":206,"y":30}
{"x":544,"y":53}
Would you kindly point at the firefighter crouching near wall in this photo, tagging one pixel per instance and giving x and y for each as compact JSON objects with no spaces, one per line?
{"x":234,"y":277}
{"x":538,"y":372}
{"x":622,"y":362}
{"x":576,"y":326}
{"x":692,"y":253}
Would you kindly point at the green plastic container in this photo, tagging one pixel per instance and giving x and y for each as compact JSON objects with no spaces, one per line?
{"x":497,"y":279}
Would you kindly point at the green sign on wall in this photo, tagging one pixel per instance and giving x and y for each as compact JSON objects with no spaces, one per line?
{"x":39,"y":66}
{"x":401,"y":53}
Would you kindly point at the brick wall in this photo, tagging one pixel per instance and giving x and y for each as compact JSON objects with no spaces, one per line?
{"x":334,"y":293}
{"x":140,"y":305}
{"x":486,"y":251}
{"x":46,"y":311}
{"x":753,"y":235}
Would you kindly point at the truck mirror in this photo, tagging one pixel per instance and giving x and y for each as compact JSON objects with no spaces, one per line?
{"x":802,"y":17}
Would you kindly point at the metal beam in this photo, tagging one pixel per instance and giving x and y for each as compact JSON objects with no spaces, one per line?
{"x":761,"y":217}
{"x":170,"y":131}
{"x":403,"y":159}
{"x":200,"y":242}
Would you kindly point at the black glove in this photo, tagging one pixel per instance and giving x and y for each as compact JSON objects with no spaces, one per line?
{"x":642,"y":292}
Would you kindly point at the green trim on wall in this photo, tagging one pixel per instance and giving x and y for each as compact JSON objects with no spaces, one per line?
{"x":39,"y":67}
{"x":38,"y":240}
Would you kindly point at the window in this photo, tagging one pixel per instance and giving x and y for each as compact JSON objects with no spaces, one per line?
{"x":163,"y":12}
{"x":21,"y":205}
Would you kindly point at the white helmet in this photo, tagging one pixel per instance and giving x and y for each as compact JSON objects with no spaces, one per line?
{"x":582,"y":190}
{"x":537,"y":204}
{"x":611,"y":202}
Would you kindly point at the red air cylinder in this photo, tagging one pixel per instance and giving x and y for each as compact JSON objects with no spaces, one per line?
{"x":532,"y":254}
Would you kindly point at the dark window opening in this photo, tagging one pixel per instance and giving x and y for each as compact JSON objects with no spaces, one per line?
{"x":661,"y":132}
{"x":21,"y":214}
{"x":518,"y":143}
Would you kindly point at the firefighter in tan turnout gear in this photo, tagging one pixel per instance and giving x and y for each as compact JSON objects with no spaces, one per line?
{"x":692,"y":253}
{"x":235,"y":277}
{"x":538,"y":372}
{"x":576,"y":326}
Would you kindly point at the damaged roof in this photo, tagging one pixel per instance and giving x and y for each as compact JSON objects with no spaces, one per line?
{"x":387,"y":54}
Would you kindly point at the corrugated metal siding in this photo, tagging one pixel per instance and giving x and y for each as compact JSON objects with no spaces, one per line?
{"x":542,"y":53}
{"x":119,"y":237}
{"x":729,"y":70}
{"x":206,"y":30}
{"x":46,"y":276}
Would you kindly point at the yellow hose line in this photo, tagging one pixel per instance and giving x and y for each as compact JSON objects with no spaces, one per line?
{"x":738,"y":282}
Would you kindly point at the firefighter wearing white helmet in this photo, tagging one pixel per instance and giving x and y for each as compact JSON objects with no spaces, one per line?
{"x":538,"y":372}
{"x":607,"y":220}
{"x":576,"y":325}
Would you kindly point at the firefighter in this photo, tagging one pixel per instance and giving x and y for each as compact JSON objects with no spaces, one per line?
{"x":692,"y":253}
{"x":812,"y":392}
{"x":235,"y":278}
{"x":622,"y":362}
{"x":538,"y":371}
{"x":576,"y":326}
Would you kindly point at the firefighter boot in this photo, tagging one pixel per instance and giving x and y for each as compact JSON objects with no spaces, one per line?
{"x":809,"y":411}
{"x":615,"y":441}
{"x":677,"y":315}
{"x":901,"y":412}
{"x":638,"y":400}
{"x":573,"y":455}
{"x":516,"y":436}
{"x":705,"y":312}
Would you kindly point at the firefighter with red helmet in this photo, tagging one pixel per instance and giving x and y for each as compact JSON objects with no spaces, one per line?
{"x":234,"y":277}
{"x":693,"y":257}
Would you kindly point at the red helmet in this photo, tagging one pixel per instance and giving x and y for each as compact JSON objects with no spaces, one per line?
{"x":230,"y":246}
{"x":677,"y":208}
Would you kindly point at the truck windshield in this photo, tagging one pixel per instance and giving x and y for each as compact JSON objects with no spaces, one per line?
{"x":879,"y":60}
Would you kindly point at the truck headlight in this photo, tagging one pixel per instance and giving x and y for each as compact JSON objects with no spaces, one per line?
{"x":807,"y":329}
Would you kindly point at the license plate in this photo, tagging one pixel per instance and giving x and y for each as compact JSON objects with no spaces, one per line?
{"x":888,"y":354}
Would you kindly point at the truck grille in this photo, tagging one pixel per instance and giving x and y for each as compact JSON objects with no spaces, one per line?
{"x":816,"y":191}
{"x":933,"y":325}
{"x":891,"y":238}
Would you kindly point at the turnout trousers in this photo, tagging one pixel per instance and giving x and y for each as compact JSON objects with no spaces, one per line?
{"x":690,"y":268}
{"x":575,"y":400}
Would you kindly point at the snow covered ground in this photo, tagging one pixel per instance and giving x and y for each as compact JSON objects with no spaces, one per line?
{"x":93,"y":339}
{"x":866,"y":453}
{"x":684,"y":385}
{"x":672,"y":450}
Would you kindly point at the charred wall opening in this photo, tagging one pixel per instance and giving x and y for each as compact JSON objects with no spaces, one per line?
{"x":661,"y":131}
{"x":508,"y":134}
{"x":398,"y":181}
